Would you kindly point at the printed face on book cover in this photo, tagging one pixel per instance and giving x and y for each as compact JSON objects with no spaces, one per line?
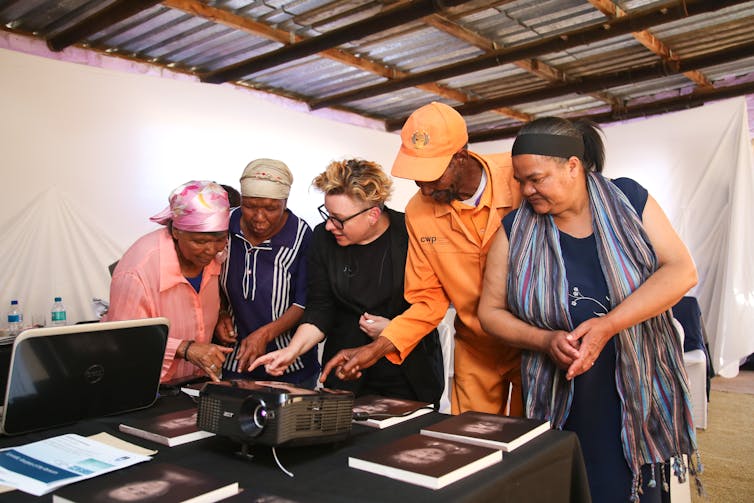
{"x":434,"y":452}
{"x":378,"y":406}
{"x":179,"y":422}
{"x":483,"y":426}
{"x":145,"y":490}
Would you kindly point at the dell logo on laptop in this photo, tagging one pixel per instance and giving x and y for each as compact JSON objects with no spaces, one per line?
{"x":94,"y":374}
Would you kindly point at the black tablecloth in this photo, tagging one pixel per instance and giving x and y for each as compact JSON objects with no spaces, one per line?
{"x":548,"y":469}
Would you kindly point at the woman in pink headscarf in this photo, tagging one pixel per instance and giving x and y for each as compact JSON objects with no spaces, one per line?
{"x":173,"y":272}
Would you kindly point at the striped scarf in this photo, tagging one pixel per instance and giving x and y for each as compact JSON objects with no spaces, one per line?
{"x":650,"y":377}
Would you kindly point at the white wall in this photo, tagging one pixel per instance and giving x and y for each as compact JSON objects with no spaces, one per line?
{"x":92,"y":153}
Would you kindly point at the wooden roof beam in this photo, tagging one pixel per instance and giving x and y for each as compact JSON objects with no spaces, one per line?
{"x":380,"y":22}
{"x":603,"y":81}
{"x":648,"y":40}
{"x":613,"y":79}
{"x":695,"y":99}
{"x":534,"y":66}
{"x":637,"y":21}
{"x":260,"y":29}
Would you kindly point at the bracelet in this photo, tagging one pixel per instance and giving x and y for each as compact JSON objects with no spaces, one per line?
{"x":186,"y":348}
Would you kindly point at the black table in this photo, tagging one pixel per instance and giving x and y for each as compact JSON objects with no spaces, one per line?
{"x":548,"y":469}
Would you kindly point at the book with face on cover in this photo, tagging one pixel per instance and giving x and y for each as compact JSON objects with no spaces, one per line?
{"x":149,"y":483}
{"x":490,"y":430}
{"x":170,"y":429}
{"x":426,"y":461}
{"x":381,"y":411}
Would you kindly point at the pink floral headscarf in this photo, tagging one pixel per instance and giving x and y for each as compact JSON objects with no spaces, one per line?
{"x":197,"y":206}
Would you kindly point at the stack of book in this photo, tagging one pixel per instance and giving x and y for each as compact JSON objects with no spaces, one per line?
{"x":449,"y":450}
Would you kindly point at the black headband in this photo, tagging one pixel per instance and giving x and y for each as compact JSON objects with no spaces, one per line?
{"x":548,"y":144}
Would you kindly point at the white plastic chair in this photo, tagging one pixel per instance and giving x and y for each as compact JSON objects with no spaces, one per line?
{"x":695,"y":363}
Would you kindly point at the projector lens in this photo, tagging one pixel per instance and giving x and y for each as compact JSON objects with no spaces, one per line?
{"x":260,"y":416}
{"x":252,"y":417}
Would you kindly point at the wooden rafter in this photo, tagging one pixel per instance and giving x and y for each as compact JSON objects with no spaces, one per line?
{"x":308,"y":46}
{"x":698,"y":98}
{"x":641,"y":19}
{"x":534,"y":66}
{"x":284,"y":37}
{"x":648,"y":40}
{"x":603,"y":81}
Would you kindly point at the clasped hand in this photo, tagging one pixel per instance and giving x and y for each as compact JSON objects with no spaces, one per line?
{"x":561,"y":350}
{"x":590,"y":338}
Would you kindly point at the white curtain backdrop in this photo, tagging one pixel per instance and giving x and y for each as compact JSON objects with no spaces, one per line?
{"x":51,"y":248}
{"x":698,"y":165}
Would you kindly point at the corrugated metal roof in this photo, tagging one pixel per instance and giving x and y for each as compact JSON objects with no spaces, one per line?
{"x":321,"y":52}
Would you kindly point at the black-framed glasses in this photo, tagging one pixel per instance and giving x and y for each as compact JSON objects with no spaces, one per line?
{"x":339,"y":223}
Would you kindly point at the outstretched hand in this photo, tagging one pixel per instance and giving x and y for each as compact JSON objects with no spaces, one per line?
{"x":208,"y":357}
{"x":253,"y":345}
{"x":348,"y":363}
{"x":274,"y":362}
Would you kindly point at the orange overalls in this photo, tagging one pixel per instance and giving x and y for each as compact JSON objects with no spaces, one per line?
{"x":448,"y":245}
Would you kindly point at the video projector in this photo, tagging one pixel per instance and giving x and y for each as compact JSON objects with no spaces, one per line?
{"x":274,"y":413}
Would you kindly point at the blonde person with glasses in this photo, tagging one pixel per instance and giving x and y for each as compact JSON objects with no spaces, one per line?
{"x":355,"y":287}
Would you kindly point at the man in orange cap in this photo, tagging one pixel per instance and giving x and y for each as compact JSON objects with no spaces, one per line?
{"x":451,"y":221}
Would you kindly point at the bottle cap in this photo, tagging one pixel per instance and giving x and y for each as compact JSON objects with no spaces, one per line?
{"x":13,"y":302}
{"x":58,"y":299}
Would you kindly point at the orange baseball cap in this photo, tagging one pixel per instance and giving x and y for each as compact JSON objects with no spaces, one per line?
{"x":430,"y":137}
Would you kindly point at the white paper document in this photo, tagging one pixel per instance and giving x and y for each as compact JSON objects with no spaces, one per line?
{"x":41,"y":467}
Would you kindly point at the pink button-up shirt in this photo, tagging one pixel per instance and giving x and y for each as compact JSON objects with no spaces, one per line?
{"x":148,"y":283}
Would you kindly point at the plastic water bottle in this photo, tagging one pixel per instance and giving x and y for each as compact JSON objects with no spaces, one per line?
{"x":57,"y":313}
{"x":15,"y":318}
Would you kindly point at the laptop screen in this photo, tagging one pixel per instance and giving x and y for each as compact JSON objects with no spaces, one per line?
{"x":60,"y":375}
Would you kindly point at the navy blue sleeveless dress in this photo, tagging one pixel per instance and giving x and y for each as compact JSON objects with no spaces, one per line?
{"x":595,"y":414}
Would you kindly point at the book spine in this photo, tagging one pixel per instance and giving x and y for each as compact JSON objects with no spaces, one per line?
{"x":395,"y":473}
{"x":466,"y":440}
{"x":144,"y":434}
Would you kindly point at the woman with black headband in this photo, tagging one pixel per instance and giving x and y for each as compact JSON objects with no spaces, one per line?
{"x":595,"y":266}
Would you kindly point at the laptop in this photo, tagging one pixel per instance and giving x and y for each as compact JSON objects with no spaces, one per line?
{"x":60,"y":375}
